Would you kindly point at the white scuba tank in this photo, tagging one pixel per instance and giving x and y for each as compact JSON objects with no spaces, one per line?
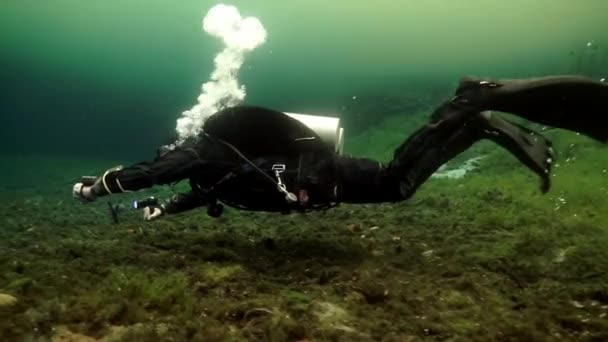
{"x":327,"y":127}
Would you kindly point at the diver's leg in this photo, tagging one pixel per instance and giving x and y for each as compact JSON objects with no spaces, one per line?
{"x":369,"y":181}
{"x":414,"y":163}
{"x":575,"y":103}
{"x":445,"y":121}
{"x":529,"y":147}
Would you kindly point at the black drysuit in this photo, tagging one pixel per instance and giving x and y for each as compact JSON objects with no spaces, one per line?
{"x":252,"y":158}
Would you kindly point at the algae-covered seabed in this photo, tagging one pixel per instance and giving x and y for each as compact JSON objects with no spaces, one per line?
{"x":486,"y":257}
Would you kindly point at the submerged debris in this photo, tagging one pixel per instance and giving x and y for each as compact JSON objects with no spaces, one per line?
{"x":428,"y":253}
{"x":7,"y":300}
{"x":333,"y":317}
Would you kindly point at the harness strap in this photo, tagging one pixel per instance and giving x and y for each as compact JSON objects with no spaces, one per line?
{"x":289,"y":196}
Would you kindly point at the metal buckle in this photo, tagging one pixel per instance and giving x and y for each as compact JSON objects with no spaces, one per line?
{"x":488,"y":84}
{"x":278,"y":168}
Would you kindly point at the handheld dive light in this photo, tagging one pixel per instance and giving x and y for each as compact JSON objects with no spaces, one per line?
{"x":148,"y":202}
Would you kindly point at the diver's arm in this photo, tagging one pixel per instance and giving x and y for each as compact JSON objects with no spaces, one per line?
{"x":177,"y":204}
{"x":173,"y":166}
{"x":184,"y":201}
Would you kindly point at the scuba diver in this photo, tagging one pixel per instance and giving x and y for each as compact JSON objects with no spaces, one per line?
{"x":255,"y":158}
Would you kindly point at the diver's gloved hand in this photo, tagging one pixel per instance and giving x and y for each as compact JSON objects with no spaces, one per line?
{"x":84,"y":193}
{"x":91,"y":187}
{"x":153,"y":212}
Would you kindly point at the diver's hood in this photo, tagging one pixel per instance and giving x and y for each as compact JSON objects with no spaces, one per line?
{"x":257,"y":131}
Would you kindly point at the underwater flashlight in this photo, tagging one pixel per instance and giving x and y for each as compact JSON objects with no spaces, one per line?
{"x":150,"y":201}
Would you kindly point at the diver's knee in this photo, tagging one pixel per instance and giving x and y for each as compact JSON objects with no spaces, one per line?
{"x":406,"y":190}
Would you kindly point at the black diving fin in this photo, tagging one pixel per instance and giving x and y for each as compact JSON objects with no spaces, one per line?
{"x":451,"y":133}
{"x":575,"y":103}
{"x":531,"y":148}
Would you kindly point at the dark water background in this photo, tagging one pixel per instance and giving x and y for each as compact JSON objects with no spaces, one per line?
{"x":108,"y":79}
